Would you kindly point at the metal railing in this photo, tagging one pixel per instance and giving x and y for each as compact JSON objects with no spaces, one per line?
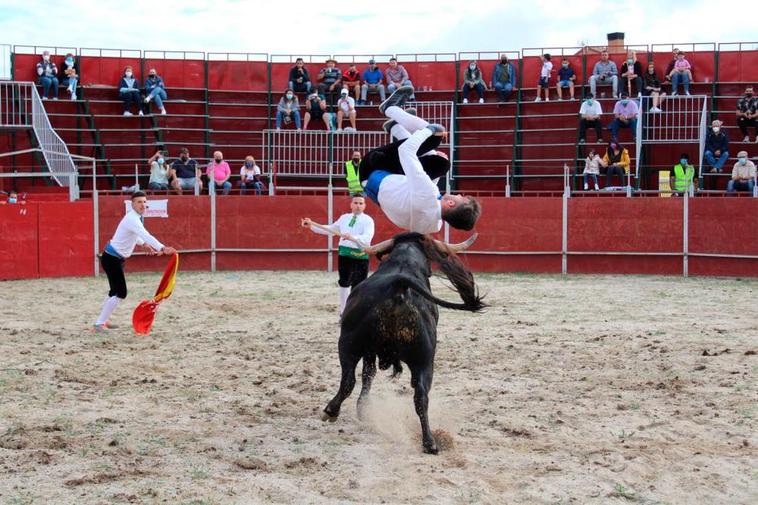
{"x":15,"y":100}
{"x":5,"y":61}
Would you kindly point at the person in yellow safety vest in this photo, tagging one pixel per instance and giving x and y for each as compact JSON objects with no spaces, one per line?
{"x":352,"y":173}
{"x":683,"y":175}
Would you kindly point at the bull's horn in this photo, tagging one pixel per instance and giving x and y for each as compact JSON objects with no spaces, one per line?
{"x":462,"y":246}
{"x":380,"y":247}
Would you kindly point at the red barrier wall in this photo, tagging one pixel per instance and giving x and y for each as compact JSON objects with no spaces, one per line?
{"x":238,"y":75}
{"x":106,"y":71}
{"x":738,"y":66}
{"x":178,"y":73}
{"x":18,"y":247}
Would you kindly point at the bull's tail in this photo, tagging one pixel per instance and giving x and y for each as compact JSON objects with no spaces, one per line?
{"x":405,"y":281}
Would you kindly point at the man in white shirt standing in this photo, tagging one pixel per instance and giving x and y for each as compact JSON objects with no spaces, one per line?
{"x":130,"y":233}
{"x":355,"y":231}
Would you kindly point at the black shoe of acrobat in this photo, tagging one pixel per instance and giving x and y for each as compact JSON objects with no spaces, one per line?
{"x":387,"y":126}
{"x":436,"y":128}
{"x":412,"y":111}
{"x":398,"y":98}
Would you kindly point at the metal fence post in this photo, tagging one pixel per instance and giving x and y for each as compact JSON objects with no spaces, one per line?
{"x":564,"y":233}
{"x":685,"y":234}
{"x":212,"y":192}
{"x":330,"y":220}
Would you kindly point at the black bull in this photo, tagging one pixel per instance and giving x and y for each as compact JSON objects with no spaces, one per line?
{"x":393,"y":316}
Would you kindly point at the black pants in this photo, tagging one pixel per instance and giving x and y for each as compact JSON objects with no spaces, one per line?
{"x":352,"y":271}
{"x":387,"y":158}
{"x":587,"y":123}
{"x":114,"y":269}
{"x":131,"y":97}
{"x":745,"y":123}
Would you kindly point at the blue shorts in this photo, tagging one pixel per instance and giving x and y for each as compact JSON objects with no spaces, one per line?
{"x":564,"y":84}
{"x":544,"y":82}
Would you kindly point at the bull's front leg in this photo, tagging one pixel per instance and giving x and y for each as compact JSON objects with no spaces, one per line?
{"x":369,"y":372}
{"x":347,"y":383}
{"x":421,"y":380}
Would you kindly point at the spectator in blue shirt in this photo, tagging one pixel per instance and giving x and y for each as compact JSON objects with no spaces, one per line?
{"x":716,"y":147}
{"x":155,"y":90}
{"x":372,"y":81}
{"x":566,"y":78}
{"x":504,"y":78}
{"x":47,"y":72}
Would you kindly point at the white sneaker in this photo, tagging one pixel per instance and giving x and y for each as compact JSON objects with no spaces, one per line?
{"x":481,"y":100}
{"x":687,"y":93}
{"x":586,"y":186}
{"x":55,"y":98}
{"x":560,"y":99}
{"x":655,"y":109}
{"x":140,"y":113}
{"x":674,"y":93}
{"x":73,"y":96}
{"x":547,"y":99}
{"x":597,"y":188}
{"x":538,"y":99}
{"x":746,"y":139}
{"x":163,"y":111}
{"x":127,"y":113}
{"x":465,"y":100}
{"x":44,"y":98}
{"x":147,"y":99}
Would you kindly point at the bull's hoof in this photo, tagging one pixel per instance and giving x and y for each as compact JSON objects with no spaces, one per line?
{"x":326,"y":416}
{"x":431,"y":448}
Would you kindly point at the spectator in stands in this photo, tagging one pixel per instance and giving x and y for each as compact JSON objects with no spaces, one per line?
{"x":652,"y":87}
{"x":682,"y":73}
{"x":590,"y":113}
{"x":473,"y":79}
{"x":397,"y":77}
{"x":545,"y":71}
{"x":288,"y":109}
{"x":155,"y":90}
{"x":683,"y":176}
{"x":747,"y":114}
{"x":129,"y":91}
{"x":504,"y":78}
{"x":592,"y":169}
{"x":669,"y":74}
{"x":12,"y":197}
{"x":631,"y":72}
{"x":616,"y":158}
{"x":162,"y":176}
{"x":250,"y":177}
{"x":743,"y":174}
{"x":331,"y":81}
{"x":299,"y":80}
{"x":604,"y":72}
{"x":219,"y":173}
{"x":315,"y":108}
{"x":351,"y":80}
{"x":716,"y":147}
{"x":186,"y":172}
{"x":346,"y":107}
{"x":70,"y":72}
{"x":625,"y":113}
{"x":566,"y":78}
{"x":47,"y":73}
{"x":372,"y":82}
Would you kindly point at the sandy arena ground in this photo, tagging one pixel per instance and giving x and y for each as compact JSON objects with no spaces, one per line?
{"x":585,"y":390}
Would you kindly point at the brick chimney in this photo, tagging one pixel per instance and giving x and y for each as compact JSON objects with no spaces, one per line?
{"x":616,"y":43}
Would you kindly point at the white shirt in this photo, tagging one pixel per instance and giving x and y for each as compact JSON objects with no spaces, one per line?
{"x":249,"y":174}
{"x":591,"y":110}
{"x":362,"y":230}
{"x":547,"y":67}
{"x":131,"y":232}
{"x":346,"y":104}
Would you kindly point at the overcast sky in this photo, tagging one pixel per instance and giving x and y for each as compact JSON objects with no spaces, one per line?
{"x":350,"y":27}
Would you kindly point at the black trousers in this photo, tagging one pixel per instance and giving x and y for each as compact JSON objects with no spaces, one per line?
{"x":114,"y":269}
{"x":352,"y":271}
{"x":387,"y":158}
{"x":745,"y":123}
{"x":586,"y":123}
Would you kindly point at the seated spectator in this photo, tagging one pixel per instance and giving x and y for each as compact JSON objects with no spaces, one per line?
{"x":631,"y":72}
{"x":625,"y":113}
{"x":682,"y":73}
{"x":186,"y":172}
{"x":47,"y":73}
{"x":747,"y":114}
{"x":351,"y":80}
{"x":396,"y":77}
{"x":372,"y":82}
{"x":616,"y":158}
{"x":590,"y":113}
{"x":604,"y":73}
{"x":566,"y":78}
{"x":592,"y":169}
{"x":346,"y":107}
{"x":668,"y":75}
{"x":683,"y":175}
{"x":716,"y":147}
{"x":155,"y":90}
{"x":504,"y":78}
{"x":331,"y":81}
{"x":473,"y":79}
{"x":12,"y":197}
{"x":544,"y":83}
{"x":162,"y":176}
{"x":129,"y":92}
{"x":70,"y":73}
{"x":218,"y":173}
{"x":299,"y":80}
{"x":743,"y":174}
{"x":652,"y":88}
{"x":287,"y":110}
{"x":250,"y":177}
{"x":315,"y":108}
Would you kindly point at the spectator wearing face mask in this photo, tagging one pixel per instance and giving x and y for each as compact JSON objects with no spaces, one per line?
{"x":631,"y":72}
{"x":70,"y":71}
{"x":616,"y":158}
{"x":287,"y":110}
{"x":747,"y":114}
{"x":47,"y":73}
{"x":472,"y":79}
{"x":716,"y":147}
{"x":683,"y":176}
{"x":566,"y":78}
{"x":372,"y":82}
{"x":652,"y":88}
{"x":589,"y":114}
{"x":250,"y":177}
{"x":504,"y":78}
{"x":625,"y":112}
{"x":155,"y":90}
{"x":219,"y":173}
{"x":12,"y":197}
{"x":346,"y":108}
{"x":743,"y":174}
{"x":162,"y":176}
{"x":129,"y":92}
{"x":592,"y":169}
{"x":186,"y":171}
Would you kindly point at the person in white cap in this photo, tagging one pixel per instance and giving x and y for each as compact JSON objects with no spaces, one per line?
{"x":346,"y":108}
{"x":743,"y":174}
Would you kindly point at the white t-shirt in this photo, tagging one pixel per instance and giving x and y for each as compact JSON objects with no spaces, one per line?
{"x":346,"y":104}
{"x":547,"y":67}
{"x":591,"y":110}
{"x":131,"y":232}
{"x":249,"y":174}
{"x":362,"y":230}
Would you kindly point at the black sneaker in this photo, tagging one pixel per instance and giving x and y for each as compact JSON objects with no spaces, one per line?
{"x":436,"y":128}
{"x":398,"y":98}
{"x":387,"y":126}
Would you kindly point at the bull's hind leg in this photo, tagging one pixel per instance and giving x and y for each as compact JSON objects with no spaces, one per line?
{"x":347,"y":383}
{"x":369,"y":371}
{"x":421,"y":380}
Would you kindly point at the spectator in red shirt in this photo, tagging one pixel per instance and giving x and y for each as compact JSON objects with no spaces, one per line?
{"x":351,"y":80}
